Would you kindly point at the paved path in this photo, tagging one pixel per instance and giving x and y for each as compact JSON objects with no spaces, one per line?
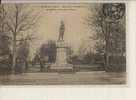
{"x":94,"y":77}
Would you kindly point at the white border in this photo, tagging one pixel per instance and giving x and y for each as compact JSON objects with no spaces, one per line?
{"x":85,"y":92}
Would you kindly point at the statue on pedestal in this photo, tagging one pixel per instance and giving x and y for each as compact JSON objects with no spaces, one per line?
{"x":61,"y":31}
{"x":61,"y":63}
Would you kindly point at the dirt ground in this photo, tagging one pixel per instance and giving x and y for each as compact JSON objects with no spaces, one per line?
{"x":78,"y":78}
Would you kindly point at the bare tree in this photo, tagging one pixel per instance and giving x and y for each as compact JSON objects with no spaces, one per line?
{"x":19,"y":21}
{"x":106,"y":21}
{"x":2,"y":19}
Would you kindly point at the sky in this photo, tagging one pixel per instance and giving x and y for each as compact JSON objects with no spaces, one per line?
{"x":74,"y":17}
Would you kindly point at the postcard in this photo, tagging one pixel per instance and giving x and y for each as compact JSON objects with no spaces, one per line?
{"x":63,"y":43}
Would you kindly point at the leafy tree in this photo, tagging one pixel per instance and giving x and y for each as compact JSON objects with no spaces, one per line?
{"x":4,"y":35}
{"x":23,"y":53}
{"x":45,"y":54}
{"x":5,"y":52}
{"x":48,"y":50}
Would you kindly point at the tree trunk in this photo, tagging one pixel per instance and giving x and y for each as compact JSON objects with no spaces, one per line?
{"x":14,"y":55}
{"x":107,"y":43}
{"x":26,"y":66}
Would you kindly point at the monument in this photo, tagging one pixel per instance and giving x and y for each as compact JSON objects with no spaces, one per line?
{"x":61,"y":63}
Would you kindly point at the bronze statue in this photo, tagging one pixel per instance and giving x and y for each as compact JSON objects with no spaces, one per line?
{"x":61,"y":31}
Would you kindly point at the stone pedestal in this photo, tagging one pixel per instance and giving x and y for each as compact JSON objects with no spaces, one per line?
{"x":61,"y":58}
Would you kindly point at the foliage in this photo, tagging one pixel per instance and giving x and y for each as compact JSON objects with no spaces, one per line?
{"x":48,"y":50}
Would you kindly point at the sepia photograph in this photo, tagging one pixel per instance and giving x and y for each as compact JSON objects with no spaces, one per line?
{"x":63,"y":44}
